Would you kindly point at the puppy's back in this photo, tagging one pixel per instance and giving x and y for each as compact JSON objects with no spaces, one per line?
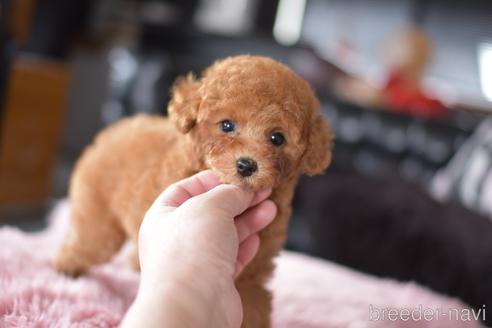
{"x":121,"y":155}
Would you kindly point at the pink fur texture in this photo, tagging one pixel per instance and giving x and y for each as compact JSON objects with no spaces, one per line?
{"x":309,"y":293}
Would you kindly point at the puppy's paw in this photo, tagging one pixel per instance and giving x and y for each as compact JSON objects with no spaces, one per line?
{"x":67,"y":266}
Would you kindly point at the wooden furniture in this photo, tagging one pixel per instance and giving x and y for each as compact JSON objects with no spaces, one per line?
{"x":20,"y":13}
{"x":35,"y":102}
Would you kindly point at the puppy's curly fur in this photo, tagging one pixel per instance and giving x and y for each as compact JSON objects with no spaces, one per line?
{"x":131,"y":162}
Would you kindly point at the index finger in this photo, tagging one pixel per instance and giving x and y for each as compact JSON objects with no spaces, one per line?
{"x":179,"y":192}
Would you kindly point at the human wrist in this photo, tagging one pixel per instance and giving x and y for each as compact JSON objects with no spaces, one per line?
{"x":191,"y":277}
{"x":182,"y":300}
{"x":170,"y":307}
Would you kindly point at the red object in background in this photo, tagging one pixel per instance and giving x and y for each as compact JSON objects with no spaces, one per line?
{"x":402,"y":99}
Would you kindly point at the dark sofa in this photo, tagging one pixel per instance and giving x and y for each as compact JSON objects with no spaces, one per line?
{"x":378,"y":221}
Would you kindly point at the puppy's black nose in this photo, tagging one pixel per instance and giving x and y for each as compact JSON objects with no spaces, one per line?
{"x":246,"y":167}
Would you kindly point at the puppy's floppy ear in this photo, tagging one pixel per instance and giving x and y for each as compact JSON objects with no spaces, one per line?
{"x":184,"y":104}
{"x":320,"y":144}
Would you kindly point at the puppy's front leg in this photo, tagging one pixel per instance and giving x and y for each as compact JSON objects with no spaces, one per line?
{"x":256,"y":299}
{"x":257,"y":303}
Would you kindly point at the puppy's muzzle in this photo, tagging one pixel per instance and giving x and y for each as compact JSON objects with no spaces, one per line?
{"x":246,"y":167}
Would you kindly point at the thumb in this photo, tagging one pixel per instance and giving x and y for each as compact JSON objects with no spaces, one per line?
{"x":179,"y":192}
{"x":230,"y":200}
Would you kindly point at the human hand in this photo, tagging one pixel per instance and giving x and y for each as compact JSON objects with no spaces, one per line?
{"x":194,"y":240}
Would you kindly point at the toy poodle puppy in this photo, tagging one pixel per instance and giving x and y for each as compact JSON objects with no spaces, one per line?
{"x":250,"y":119}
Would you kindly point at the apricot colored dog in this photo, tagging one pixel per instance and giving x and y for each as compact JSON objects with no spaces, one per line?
{"x":250,"y":119}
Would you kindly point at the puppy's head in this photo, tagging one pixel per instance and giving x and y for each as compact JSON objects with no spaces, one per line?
{"x":253,"y":121}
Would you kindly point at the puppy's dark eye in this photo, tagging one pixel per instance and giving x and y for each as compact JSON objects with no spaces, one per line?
{"x":227,"y":126}
{"x":277,"y":139}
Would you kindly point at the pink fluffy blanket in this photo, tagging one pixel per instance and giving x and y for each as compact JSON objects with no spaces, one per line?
{"x":308,"y":292}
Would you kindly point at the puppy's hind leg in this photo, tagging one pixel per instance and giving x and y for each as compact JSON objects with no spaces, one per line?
{"x":95,"y":236}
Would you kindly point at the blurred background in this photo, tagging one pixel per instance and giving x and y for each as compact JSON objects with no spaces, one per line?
{"x":407,"y":86}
